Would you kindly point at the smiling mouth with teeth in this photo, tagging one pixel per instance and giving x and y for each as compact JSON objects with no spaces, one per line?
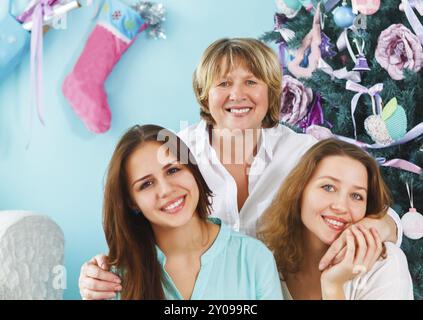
{"x":175,"y":206}
{"x":239,"y":111}
{"x":335,"y":224}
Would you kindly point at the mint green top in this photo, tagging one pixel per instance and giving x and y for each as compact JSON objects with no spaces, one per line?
{"x":235,"y":267}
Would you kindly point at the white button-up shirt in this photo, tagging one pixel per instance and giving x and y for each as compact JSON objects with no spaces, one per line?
{"x":279,"y":150}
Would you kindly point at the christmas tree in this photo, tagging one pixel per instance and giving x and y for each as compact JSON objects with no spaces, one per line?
{"x":334,"y":50}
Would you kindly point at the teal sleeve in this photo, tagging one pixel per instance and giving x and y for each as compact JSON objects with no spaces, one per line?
{"x":267,"y":280}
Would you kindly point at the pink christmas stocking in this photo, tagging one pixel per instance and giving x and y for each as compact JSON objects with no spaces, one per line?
{"x":113,"y":34}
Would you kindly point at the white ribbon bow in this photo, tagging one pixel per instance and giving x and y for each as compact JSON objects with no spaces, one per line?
{"x":374,"y":94}
{"x":340,"y":73}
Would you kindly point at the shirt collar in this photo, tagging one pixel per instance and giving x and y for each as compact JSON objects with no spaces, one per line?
{"x":202,"y":136}
{"x":160,"y":256}
{"x":266,"y":142}
{"x":218,"y":245}
{"x":203,"y":142}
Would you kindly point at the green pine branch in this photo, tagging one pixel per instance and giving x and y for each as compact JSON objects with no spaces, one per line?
{"x":336,"y":102}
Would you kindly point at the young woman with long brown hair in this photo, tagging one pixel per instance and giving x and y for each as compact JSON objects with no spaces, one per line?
{"x":161,"y":241}
{"x":334,"y":185}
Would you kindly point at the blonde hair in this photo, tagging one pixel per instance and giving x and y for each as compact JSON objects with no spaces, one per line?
{"x":257,"y":57}
{"x":281,"y":224}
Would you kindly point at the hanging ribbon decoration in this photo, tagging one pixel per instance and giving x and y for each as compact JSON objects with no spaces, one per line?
{"x":410,"y":194}
{"x":321,"y":133}
{"x":412,"y":18}
{"x":410,"y":135}
{"x":27,"y":15}
{"x":36,"y":14}
{"x":416,"y":4}
{"x":343,"y":43}
{"x":400,"y":164}
{"x":42,"y":8}
{"x":282,"y":54}
{"x":342,"y":74}
{"x":373,"y":92}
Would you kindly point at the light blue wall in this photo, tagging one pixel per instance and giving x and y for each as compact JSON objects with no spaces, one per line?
{"x":62,"y":173}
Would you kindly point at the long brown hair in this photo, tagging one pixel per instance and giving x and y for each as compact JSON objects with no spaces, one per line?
{"x":129,"y":235}
{"x":281,"y":225}
{"x":256,"y":56}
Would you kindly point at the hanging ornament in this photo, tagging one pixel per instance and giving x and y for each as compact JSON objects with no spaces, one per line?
{"x":326,"y":47}
{"x":366,"y":7}
{"x":376,"y":129}
{"x":154,"y":15}
{"x":290,"y":8}
{"x":389,"y":126}
{"x":114,"y":33}
{"x":343,"y":16}
{"x":373,"y":92}
{"x":399,"y":164}
{"x":361,"y":61}
{"x":412,"y":221}
{"x":304,"y":64}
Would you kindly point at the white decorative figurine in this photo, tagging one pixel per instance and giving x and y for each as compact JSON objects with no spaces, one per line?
{"x":31,"y":257}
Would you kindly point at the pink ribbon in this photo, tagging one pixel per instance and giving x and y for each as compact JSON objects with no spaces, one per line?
{"x":410,"y":135}
{"x":321,"y":133}
{"x":374,"y":94}
{"x":400,"y":164}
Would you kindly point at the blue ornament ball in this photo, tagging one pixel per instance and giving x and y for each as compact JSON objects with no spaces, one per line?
{"x":343,"y":17}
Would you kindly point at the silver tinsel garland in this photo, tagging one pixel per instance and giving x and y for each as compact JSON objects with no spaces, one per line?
{"x":154,"y":15}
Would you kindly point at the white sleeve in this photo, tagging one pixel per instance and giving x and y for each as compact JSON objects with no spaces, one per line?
{"x":392,"y":213}
{"x":389,"y":279}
